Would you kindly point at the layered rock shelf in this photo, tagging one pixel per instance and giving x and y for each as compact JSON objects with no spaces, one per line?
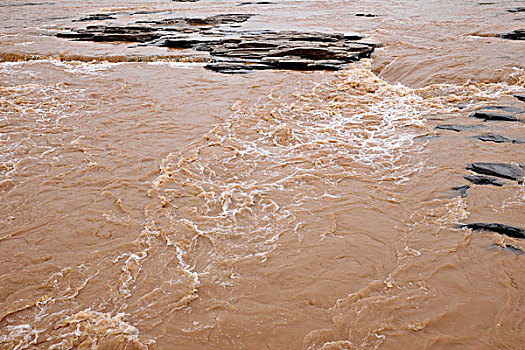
{"x":502,"y":170}
{"x":235,"y":51}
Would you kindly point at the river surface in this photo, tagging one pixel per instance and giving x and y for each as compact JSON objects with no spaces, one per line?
{"x":159,"y":205}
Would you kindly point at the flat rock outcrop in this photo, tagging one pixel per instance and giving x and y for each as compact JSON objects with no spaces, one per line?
{"x":100,"y":33}
{"x":236,"y":51}
{"x":503,"y":170}
{"x":502,"y":229}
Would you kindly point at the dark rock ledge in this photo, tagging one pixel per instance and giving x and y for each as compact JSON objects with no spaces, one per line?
{"x":499,"y":113}
{"x":502,"y":229}
{"x":518,"y":34}
{"x":235,"y":51}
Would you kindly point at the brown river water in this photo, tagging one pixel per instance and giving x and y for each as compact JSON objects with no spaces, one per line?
{"x":159,"y":205}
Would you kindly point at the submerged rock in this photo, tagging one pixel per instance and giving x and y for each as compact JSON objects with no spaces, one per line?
{"x":487,"y":115}
{"x":461,"y":190}
{"x":214,"y":21}
{"x":458,"y":128}
{"x":235,"y":67}
{"x":359,"y":14}
{"x":513,"y":249}
{"x":484,"y":180}
{"x":497,"y":138}
{"x":96,"y":17}
{"x":19,"y":4}
{"x":518,"y":34}
{"x":256,"y":3}
{"x":502,"y":229}
{"x":507,"y":171}
{"x":504,"y":108}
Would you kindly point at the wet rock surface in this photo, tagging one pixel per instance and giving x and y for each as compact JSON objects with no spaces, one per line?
{"x":512,"y":249}
{"x":214,"y":21}
{"x":502,"y":229}
{"x":488,"y":115}
{"x":236,"y":51}
{"x":96,"y":17}
{"x":484,"y":180}
{"x":461,"y":191}
{"x":506,"y":109}
{"x":503,"y":170}
{"x":101,"y":33}
{"x":518,"y":34}
{"x":497,"y":138}
{"x":457,"y":128}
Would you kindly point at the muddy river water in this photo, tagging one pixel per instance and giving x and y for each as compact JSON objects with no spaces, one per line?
{"x":147,"y":202}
